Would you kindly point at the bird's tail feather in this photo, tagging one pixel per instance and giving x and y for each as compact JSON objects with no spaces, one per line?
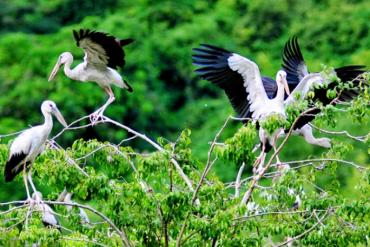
{"x":128,"y":87}
{"x":124,"y":42}
{"x":13,"y":166}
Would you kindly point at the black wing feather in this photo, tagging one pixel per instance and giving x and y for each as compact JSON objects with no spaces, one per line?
{"x":111,"y":45}
{"x":13,"y":166}
{"x":293,"y":62}
{"x":214,"y":67}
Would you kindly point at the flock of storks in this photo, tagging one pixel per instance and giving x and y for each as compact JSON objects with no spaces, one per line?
{"x":253,"y":97}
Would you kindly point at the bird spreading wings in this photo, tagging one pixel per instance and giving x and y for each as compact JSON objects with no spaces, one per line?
{"x":101,"y":49}
{"x":238,"y":76}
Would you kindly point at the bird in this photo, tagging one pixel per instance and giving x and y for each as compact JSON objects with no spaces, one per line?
{"x":301,"y":80}
{"x":66,"y":197}
{"x":215,"y":67}
{"x":243,"y":84}
{"x":47,"y":213}
{"x":29,"y":144}
{"x":103,"y":55}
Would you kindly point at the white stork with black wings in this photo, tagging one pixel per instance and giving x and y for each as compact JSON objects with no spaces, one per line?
{"x":244,"y":86}
{"x":103,"y":54}
{"x":29,"y":144}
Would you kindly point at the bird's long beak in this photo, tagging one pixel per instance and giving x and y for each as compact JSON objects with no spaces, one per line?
{"x":60,"y":118}
{"x":286,"y":87}
{"x":55,"y":70}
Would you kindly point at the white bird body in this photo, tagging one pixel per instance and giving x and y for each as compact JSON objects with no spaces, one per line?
{"x":85,"y":72}
{"x":31,"y":142}
{"x":48,"y":214}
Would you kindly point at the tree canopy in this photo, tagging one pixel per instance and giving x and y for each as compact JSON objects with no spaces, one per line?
{"x":169,"y":166}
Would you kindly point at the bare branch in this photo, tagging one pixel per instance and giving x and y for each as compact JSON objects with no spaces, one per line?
{"x":344,"y":132}
{"x":237,"y":181}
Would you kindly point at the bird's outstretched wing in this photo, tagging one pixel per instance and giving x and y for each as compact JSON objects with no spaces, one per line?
{"x":101,"y":49}
{"x":300,"y":80}
{"x":237,"y":75}
{"x":293,"y":63}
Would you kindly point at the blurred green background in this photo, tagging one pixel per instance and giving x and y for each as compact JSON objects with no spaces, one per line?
{"x":168,"y":96}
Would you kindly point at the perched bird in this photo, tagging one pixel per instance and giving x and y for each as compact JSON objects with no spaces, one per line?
{"x":66,"y":196}
{"x":103,"y":54}
{"x":243,"y":84}
{"x":217,"y":65}
{"x":29,"y":144}
{"x":48,"y":214}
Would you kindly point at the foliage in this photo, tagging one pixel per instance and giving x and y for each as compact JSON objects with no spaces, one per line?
{"x":140,"y":189}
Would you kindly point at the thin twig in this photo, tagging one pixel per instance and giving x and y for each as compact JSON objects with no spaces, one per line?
{"x":343,"y":132}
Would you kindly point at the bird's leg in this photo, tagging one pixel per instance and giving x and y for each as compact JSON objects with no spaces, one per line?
{"x":26,"y":183}
{"x":99,"y":113}
{"x":260,"y":160}
{"x":32,"y":184}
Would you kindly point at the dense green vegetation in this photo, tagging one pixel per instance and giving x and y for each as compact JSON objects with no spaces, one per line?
{"x":169,"y":98}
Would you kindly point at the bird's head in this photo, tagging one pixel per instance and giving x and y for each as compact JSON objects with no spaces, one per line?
{"x":281,"y":79}
{"x":49,"y":107}
{"x":65,"y":57}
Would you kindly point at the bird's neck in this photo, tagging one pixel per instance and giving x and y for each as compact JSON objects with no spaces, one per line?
{"x":68,"y":71}
{"x":48,"y":124}
{"x":280,"y":93}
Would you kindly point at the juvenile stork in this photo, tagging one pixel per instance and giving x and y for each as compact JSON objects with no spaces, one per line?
{"x":29,"y":144}
{"x":103,"y":54}
{"x":243,"y":84}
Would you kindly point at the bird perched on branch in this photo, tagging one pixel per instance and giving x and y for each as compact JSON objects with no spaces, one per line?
{"x":236,"y":75}
{"x":47,"y":213}
{"x":103,"y":54}
{"x":66,"y":196}
{"x":29,"y":144}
